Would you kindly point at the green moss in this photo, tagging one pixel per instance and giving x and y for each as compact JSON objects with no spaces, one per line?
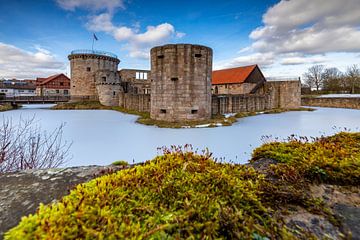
{"x":120,"y":163}
{"x":334,"y":159}
{"x":182,"y":194}
{"x":178,"y":195}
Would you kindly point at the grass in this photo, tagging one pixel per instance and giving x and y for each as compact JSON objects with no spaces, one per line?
{"x":186,"y":195}
{"x":6,"y":107}
{"x":144,"y":117}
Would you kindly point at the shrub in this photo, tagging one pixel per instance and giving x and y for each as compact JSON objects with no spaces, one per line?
{"x":120,"y":163}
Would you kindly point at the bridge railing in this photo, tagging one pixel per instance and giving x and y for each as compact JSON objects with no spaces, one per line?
{"x":36,"y":99}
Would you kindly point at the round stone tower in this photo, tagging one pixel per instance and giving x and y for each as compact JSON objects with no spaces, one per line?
{"x":181,"y":82}
{"x":84,"y":67}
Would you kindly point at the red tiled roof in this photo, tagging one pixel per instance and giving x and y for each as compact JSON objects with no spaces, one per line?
{"x":232,"y":75}
{"x":42,"y":81}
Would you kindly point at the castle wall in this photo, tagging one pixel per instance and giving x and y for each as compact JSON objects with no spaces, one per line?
{"x":137,"y":102}
{"x":83,"y":74}
{"x":284,"y":94}
{"x":334,"y":102}
{"x":181,"y":82}
{"x":108,"y":93}
{"x":136,"y":80}
{"x":235,"y":88}
{"x":222,"y":104}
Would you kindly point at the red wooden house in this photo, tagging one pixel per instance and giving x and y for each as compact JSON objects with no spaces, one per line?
{"x":56,"y":85}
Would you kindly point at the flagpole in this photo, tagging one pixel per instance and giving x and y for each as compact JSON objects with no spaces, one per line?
{"x":92,"y":46}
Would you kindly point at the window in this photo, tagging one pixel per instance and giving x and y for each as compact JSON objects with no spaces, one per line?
{"x":194,"y":111}
{"x":66,"y":92}
{"x":114,"y":93}
{"x":198,"y":55}
{"x":162,"y":110}
{"x":61,"y":84}
{"x":141,"y":76}
{"x":88,"y":69}
{"x":103,"y":79}
{"x":174,"y":79}
{"x":57,"y":91}
{"x":160,"y":56}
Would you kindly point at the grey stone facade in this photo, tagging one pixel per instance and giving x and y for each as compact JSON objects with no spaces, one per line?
{"x":181,"y":82}
{"x":86,"y":70}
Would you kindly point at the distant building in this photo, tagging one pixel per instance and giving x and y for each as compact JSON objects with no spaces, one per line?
{"x":135,"y":81}
{"x":17,"y":88}
{"x":56,"y":85}
{"x":240,"y":80}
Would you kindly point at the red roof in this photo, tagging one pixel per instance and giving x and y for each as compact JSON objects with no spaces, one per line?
{"x":232,"y":75}
{"x":42,"y":81}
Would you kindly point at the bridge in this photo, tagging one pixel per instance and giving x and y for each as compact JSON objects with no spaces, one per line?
{"x":34,"y":99}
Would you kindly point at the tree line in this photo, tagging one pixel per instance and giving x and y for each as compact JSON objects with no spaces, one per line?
{"x":332,"y":80}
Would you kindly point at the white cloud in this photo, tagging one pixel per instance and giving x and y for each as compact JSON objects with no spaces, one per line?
{"x":297,"y":32}
{"x":310,"y":27}
{"x":136,"y":42}
{"x":94,"y":5}
{"x":18,"y":63}
{"x":297,"y":60}
{"x":261,"y":59}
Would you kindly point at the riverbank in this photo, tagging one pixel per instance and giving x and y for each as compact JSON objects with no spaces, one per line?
{"x":333,"y":101}
{"x":6,"y":107}
{"x":290,"y":190}
{"x":144,"y":117}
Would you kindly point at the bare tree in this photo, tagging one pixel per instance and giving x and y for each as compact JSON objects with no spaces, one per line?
{"x":25,"y":146}
{"x":332,"y":79}
{"x":353,"y":77}
{"x":314,"y":77}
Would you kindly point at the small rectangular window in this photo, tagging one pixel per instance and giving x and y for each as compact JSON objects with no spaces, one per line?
{"x":114,"y":93}
{"x":174,"y":79}
{"x":145,"y":76}
{"x":160,"y":56}
{"x":198,"y":55}
{"x":88,"y":69}
{"x":162,"y":110}
{"x":103,"y":79}
{"x":194,"y":111}
{"x":137,"y":75}
{"x":61,"y":84}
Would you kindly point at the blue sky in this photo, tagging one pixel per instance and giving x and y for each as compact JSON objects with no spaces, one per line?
{"x":283,"y":37}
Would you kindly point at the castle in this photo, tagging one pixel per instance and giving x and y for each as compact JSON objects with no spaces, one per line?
{"x":180,"y":86}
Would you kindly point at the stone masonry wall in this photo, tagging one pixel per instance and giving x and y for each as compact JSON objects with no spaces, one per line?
{"x":284,"y":94}
{"x":222,"y":104}
{"x":238,"y":88}
{"x":109,"y":93}
{"x":181,"y":82}
{"x":137,"y":102}
{"x":83,"y":74}
{"x":353,"y":103}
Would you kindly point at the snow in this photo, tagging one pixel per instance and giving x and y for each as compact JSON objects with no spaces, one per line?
{"x":340,"y":96}
{"x":101,"y":137}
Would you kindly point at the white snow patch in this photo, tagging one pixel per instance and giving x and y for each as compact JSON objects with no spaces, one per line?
{"x":340,"y":96}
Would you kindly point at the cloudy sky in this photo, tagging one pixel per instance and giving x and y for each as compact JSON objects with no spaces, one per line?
{"x":284,"y":37}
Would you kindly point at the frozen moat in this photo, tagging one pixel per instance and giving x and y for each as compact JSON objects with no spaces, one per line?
{"x":101,"y":137}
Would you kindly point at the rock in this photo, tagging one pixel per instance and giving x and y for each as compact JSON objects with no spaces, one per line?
{"x":22,"y":192}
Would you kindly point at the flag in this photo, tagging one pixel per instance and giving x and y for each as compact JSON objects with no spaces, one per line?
{"x":95,"y":37}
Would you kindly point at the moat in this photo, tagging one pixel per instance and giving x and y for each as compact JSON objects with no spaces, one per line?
{"x":101,"y":137}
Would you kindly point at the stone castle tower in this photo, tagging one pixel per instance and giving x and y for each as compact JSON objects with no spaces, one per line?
{"x":181,"y":82}
{"x":91,"y":68}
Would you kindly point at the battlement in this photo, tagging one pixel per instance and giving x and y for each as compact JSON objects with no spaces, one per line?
{"x":85,"y":53}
